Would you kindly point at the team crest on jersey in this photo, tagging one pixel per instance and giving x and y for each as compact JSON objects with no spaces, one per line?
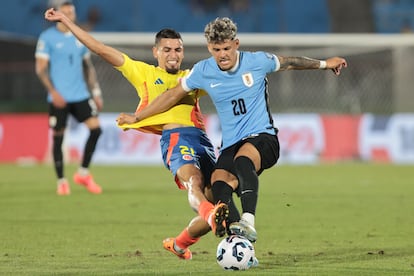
{"x":187,"y":157}
{"x":248,"y":79}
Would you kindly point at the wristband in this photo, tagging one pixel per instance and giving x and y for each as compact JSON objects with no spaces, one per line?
{"x":96,"y":92}
{"x":322,"y":64}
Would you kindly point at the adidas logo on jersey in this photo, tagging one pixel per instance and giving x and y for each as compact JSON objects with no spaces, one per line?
{"x":159,"y":81}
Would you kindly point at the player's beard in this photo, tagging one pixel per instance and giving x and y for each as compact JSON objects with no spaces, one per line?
{"x":173,"y":70}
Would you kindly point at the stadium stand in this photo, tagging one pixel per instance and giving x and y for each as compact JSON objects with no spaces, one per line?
{"x":298,"y":16}
{"x":263,"y":16}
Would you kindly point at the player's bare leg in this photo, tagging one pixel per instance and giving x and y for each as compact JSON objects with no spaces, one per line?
{"x":214,"y":215}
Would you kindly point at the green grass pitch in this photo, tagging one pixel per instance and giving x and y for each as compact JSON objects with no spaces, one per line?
{"x":343,"y":219}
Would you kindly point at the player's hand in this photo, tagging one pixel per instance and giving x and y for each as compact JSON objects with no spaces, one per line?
{"x":53,"y":15}
{"x":57,"y":100}
{"x":99,"y":102}
{"x":124,"y":118}
{"x":336,"y":64}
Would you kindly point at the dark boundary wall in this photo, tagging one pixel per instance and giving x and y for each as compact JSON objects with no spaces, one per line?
{"x":20,"y":89}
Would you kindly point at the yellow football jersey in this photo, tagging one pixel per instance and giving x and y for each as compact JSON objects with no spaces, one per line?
{"x":149,"y":82}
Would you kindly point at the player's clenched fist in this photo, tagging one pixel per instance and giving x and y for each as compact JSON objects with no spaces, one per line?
{"x":124,"y":118}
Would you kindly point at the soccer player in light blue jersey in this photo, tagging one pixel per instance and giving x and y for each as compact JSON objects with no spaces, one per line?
{"x":237,"y":84}
{"x":64,"y":67}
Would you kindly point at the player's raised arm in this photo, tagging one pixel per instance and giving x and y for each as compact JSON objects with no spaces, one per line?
{"x":92,"y":81}
{"x":109,"y":54}
{"x":303,"y":63}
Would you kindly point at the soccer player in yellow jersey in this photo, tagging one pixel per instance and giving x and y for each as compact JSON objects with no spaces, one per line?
{"x":186,"y":150}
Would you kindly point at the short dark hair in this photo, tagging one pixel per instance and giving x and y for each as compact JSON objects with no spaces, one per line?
{"x":166,"y":33}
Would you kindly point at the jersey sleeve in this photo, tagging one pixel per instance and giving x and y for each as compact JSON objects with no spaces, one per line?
{"x":193,"y":80}
{"x":134,"y":71}
{"x":42,"y":48}
{"x":270,"y":61}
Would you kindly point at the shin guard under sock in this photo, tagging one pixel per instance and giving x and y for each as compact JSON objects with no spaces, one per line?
{"x":184,"y":240}
{"x":249,"y":183}
{"x":222,"y":192}
{"x":90,"y":146}
{"x":204,"y":209}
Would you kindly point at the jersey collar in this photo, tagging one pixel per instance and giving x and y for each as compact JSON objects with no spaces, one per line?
{"x":236,"y":66}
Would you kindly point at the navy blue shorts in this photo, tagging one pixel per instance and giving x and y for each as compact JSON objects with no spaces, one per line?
{"x":187,"y":145}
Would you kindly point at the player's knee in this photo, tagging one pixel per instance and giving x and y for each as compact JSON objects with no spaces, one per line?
{"x":224,"y":176}
{"x":197,"y":180}
{"x":193,"y":184}
{"x":246,"y":173}
{"x":243,"y":164}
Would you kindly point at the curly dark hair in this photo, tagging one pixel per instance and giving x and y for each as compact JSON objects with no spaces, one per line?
{"x":220,"y":30}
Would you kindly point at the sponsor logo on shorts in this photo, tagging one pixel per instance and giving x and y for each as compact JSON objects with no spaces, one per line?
{"x":187,"y":157}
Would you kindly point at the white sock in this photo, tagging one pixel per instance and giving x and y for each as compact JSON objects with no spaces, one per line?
{"x":178,"y":249}
{"x":83,"y":171}
{"x":249,"y":218}
{"x":61,"y":181}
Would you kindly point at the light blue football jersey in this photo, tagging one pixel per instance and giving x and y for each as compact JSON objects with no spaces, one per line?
{"x":65,"y":54}
{"x":240,"y":95}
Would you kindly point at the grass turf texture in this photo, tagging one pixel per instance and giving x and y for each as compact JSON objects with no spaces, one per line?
{"x":349,"y":219}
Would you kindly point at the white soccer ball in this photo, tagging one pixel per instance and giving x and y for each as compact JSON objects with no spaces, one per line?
{"x":235,"y":253}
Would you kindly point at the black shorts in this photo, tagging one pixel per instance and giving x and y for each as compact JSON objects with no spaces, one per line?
{"x":266,"y":144}
{"x":81,"y":111}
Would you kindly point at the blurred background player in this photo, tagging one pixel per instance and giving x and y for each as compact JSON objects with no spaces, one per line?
{"x":64,"y":67}
{"x":237,"y":84}
{"x":187,"y":152}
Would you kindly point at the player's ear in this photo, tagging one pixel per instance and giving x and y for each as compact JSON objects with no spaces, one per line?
{"x":210,"y":48}
{"x":155,"y":52}
{"x":237,"y":43}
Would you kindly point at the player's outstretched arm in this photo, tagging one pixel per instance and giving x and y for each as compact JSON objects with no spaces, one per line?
{"x":303,"y":63}
{"x":160,"y":104}
{"x":109,"y":54}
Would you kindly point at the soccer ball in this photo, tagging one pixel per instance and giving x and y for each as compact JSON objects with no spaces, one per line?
{"x":235,"y":253}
